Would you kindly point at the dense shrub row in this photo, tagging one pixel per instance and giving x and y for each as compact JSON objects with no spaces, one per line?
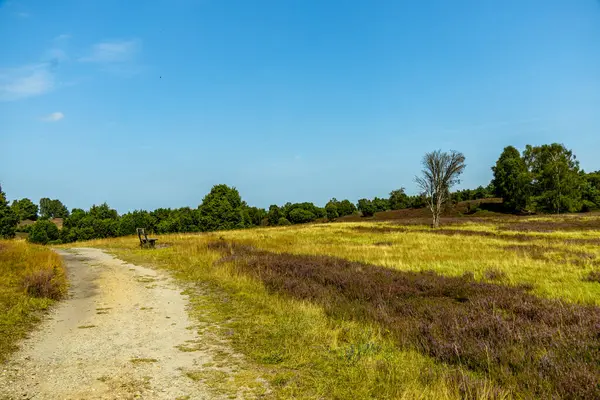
{"x":542,"y":179}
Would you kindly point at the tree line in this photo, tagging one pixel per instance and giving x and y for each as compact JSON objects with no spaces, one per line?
{"x":544,"y":179}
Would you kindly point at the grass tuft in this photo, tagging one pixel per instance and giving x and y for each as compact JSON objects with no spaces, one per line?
{"x":46,"y":283}
{"x":32,"y":278}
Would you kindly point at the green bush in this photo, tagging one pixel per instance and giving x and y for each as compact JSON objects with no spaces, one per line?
{"x":345,"y":207}
{"x":283,"y":222}
{"x":24,"y":228}
{"x":38,"y":236}
{"x":332,"y":211}
{"x":588,"y":206}
{"x":274,"y":215}
{"x":366,"y":207}
{"x":398,"y":199}
{"x":299,"y":216}
{"x":43,"y":231}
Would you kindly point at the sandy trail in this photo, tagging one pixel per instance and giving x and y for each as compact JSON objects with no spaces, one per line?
{"x":115,"y":337}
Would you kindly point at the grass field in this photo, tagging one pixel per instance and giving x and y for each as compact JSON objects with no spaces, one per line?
{"x":31,"y":279}
{"x":497,"y":308}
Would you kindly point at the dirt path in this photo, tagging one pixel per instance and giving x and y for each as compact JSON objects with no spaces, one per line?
{"x":116,"y":337}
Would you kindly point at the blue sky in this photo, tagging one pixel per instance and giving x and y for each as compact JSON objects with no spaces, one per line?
{"x":147,"y":104}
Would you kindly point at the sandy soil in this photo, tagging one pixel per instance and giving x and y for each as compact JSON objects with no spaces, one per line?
{"x":115,"y":337}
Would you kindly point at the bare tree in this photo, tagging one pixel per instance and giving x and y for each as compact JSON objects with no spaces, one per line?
{"x":440,"y":172}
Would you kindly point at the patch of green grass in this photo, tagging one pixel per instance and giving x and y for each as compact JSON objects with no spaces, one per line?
{"x":32,"y":278}
{"x":143,"y":360}
{"x":86,"y":326}
{"x":145,"y":279}
{"x":218,"y":382}
{"x":188,"y":348}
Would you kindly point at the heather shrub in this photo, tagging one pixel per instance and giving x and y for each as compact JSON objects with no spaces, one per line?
{"x":493,"y":274}
{"x":541,"y":348}
{"x":44,"y":283}
{"x":283,"y":222}
{"x":593,"y":276}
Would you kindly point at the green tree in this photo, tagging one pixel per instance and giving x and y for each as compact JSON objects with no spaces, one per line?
{"x":301,"y":215}
{"x":590,"y":193}
{"x":221,"y":209}
{"x":398,"y":199}
{"x":331,"y":209}
{"x":99,"y":222}
{"x":25,"y":209}
{"x":274,"y":215}
{"x":381,"y":204}
{"x":103,"y":211}
{"x":556,"y":177}
{"x":366,"y":207}
{"x":417,"y":201}
{"x":43,"y":231}
{"x":52,"y":209}
{"x":255,"y":215}
{"x":161,"y":214}
{"x":345,"y":207}
{"x":75,"y":218}
{"x":136,"y":219}
{"x":440,"y":172}
{"x":8,"y":218}
{"x":512,"y":180}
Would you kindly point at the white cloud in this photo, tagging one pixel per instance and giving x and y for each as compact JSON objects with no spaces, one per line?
{"x":54,"y":117}
{"x":26,"y":81}
{"x":112,"y":52}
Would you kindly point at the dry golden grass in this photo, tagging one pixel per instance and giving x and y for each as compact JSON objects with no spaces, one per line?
{"x":31,"y":279}
{"x":306,"y":352}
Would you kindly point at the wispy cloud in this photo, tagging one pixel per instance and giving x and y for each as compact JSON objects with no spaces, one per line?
{"x":118,"y":51}
{"x":26,"y":81}
{"x":54,"y":117}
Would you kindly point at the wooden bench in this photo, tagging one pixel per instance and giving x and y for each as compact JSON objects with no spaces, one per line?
{"x":144,"y":240}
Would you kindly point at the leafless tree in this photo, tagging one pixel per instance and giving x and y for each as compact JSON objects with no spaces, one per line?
{"x":440,"y":172}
